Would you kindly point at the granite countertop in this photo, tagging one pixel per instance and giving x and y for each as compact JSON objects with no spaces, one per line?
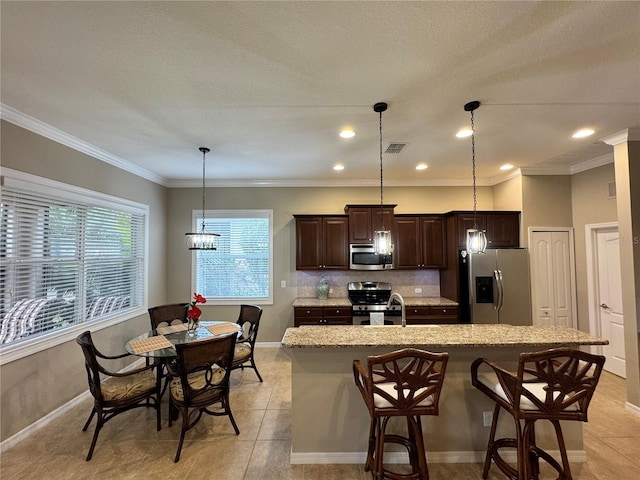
{"x":345,"y":302}
{"x":494,"y":335}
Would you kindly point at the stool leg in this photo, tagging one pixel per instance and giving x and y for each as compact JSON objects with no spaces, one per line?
{"x":372,"y":444}
{"x":378,"y":460}
{"x":418,"y":442}
{"x":492,"y":434}
{"x":563,"y":450}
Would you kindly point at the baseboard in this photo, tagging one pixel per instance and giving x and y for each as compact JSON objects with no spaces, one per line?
{"x":630,"y":407}
{"x":316,"y":458}
{"x":268,"y":344}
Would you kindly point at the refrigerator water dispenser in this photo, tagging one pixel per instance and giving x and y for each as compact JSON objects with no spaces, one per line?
{"x":484,"y":289}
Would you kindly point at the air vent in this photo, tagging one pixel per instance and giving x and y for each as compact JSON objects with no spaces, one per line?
{"x":395,"y":148}
{"x":612,"y":189}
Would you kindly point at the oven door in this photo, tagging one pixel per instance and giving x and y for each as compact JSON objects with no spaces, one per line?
{"x":363,"y":317}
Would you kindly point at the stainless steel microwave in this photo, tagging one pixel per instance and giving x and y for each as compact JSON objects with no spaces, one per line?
{"x":364,"y":257}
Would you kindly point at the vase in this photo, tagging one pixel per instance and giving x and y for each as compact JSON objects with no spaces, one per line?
{"x":192,"y":326}
{"x":322,"y":288}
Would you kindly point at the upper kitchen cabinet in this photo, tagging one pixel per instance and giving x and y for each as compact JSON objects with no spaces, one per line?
{"x":322,"y":242}
{"x":502,"y":227}
{"x":364,"y":220}
{"x":419,"y":242}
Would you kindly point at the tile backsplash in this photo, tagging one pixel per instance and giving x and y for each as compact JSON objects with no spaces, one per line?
{"x":402,"y":281}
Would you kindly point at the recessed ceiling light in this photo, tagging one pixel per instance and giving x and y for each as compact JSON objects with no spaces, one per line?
{"x":506,"y":166}
{"x":422,"y":166}
{"x":338,"y":166}
{"x":347,"y":133}
{"x":585,"y":132}
{"x":465,"y":132}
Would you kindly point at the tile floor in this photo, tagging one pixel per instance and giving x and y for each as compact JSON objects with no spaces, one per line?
{"x":130,"y":448}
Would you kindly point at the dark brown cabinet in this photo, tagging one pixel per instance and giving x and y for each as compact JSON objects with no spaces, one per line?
{"x":431,"y":314}
{"x":322,"y":242}
{"x":419,"y":242}
{"x":321,"y":316}
{"x":364,"y":220}
{"x":502,"y":228}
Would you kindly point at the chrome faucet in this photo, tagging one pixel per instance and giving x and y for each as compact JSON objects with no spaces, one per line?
{"x":397,"y":296}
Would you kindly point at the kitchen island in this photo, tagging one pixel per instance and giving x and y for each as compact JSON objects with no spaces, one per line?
{"x":330,"y":422}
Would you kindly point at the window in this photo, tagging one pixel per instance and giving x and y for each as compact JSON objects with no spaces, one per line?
{"x":240,"y":270}
{"x":68,"y":256}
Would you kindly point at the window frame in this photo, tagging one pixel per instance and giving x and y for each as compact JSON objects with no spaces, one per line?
{"x":58,"y":190}
{"x":196,"y":216}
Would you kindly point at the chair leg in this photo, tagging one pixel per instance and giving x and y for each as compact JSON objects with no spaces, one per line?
{"x":490,"y":443}
{"x":86,"y":425}
{"x":563,"y":450}
{"x":96,"y":432}
{"x":183,"y":431}
{"x":253,"y":364}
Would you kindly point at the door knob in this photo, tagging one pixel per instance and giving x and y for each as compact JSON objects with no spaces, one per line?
{"x":604,"y":305}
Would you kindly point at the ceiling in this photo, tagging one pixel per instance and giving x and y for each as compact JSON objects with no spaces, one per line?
{"x":268,"y":86}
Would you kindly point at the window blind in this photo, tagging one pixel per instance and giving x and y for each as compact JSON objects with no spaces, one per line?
{"x":240,"y":269}
{"x":66,"y":260}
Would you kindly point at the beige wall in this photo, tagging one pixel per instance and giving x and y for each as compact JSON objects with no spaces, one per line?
{"x":591,"y":204}
{"x":546,"y":202}
{"x":38,"y":384}
{"x":286,"y":202}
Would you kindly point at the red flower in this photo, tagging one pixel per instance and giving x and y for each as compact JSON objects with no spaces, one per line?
{"x":194,"y":312}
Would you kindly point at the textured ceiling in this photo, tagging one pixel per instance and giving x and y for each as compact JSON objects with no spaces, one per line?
{"x":268,"y":85}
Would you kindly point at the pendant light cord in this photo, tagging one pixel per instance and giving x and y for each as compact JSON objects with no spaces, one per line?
{"x":381,"y":197}
{"x":473,"y":171}
{"x":204,"y":151}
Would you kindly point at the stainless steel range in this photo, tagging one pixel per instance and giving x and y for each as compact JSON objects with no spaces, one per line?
{"x":369,"y":297}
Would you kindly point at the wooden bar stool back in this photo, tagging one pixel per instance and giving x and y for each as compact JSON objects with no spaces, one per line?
{"x":552,"y":385}
{"x":404,"y":383}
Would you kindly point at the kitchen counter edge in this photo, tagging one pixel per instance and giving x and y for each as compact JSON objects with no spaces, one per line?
{"x":440,"y":336}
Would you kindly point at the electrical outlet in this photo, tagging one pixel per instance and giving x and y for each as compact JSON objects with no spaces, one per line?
{"x":331,"y":290}
{"x":487,"y":417}
{"x":283,"y":284}
{"x":417,"y":290}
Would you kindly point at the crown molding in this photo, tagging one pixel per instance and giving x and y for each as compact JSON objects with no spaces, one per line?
{"x":626,"y":135}
{"x":593,"y":163}
{"x":43,"y":129}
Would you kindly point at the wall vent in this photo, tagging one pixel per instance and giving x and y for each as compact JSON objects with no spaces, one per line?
{"x":612,"y":189}
{"x":395,"y":148}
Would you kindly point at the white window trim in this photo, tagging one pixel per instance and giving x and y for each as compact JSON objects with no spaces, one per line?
{"x":234,"y":213}
{"x":16,"y":179}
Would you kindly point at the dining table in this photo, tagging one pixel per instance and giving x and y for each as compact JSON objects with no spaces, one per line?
{"x":161,"y":342}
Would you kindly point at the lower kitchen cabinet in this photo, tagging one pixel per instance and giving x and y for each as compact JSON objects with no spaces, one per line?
{"x":431,"y":314}
{"x":321,"y":316}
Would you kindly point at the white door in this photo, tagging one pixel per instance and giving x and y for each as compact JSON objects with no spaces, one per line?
{"x":552,"y":278}
{"x":609,"y":300}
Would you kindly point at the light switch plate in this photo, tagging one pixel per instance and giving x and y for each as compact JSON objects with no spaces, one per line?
{"x":417,"y":290}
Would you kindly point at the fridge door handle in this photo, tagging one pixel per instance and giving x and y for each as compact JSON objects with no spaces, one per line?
{"x":500,"y":287}
{"x":496,"y":298}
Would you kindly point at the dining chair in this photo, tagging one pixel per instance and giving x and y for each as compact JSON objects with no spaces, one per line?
{"x":200,"y":381}
{"x":403,"y":383}
{"x":554,"y":385}
{"x":249,"y":321}
{"x":162,"y":316}
{"x":116,"y":392}
{"x":169,"y":314}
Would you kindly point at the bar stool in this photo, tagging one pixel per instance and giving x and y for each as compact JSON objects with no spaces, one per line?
{"x":404,"y":383}
{"x":552,"y":385}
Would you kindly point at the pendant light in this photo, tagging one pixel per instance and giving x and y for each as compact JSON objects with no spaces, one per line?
{"x":202,"y":240}
{"x":476,"y":238}
{"x":382,"y":238}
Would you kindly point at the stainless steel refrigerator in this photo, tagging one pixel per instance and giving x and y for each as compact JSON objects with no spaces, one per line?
{"x":498,"y":286}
